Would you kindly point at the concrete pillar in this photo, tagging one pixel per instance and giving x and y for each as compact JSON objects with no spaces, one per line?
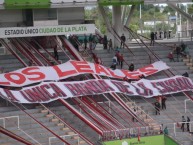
{"x":117,"y":22}
{"x":123,"y":14}
{"x":105,"y":17}
{"x":130,"y":15}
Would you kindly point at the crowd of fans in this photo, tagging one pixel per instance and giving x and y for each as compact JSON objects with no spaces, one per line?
{"x":181,"y":50}
{"x":159,"y":35}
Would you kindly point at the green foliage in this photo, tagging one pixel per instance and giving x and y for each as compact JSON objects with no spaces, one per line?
{"x":93,"y":14}
{"x":190,"y":9}
{"x":134,"y":27}
{"x":167,"y":10}
{"x":149,"y":13}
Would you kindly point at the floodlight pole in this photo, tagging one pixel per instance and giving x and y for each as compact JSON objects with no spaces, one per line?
{"x":140,"y":19}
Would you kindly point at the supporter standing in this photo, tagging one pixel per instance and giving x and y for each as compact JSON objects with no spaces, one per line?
{"x":160,"y":33}
{"x":118,"y":57}
{"x":166,"y":130}
{"x":85,"y":41}
{"x":174,"y":49}
{"x":155,"y":35}
{"x":159,"y":100}
{"x":165,"y":34}
{"x":113,"y":66}
{"x":110,"y":44}
{"x":90,"y":40}
{"x":163,"y":101}
{"x":157,"y":108}
{"x":183,"y":123}
{"x":121,"y":60}
{"x":161,"y":129}
{"x":186,"y":51}
{"x":152,"y":36}
{"x":171,"y":57}
{"x":183,"y":46}
{"x":178,"y":52}
{"x":105,"y":42}
{"x":134,"y":116}
{"x":56,"y":53}
{"x":169,"y":34}
{"x":188,"y":124}
{"x":123,"y":39}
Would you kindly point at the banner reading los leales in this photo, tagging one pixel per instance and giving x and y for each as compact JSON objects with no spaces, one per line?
{"x":47,"y":92}
{"x":35,"y":74}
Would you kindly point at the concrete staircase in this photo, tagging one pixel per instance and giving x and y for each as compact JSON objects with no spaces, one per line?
{"x":141,"y":58}
{"x":35,"y":131}
{"x":173,"y":114}
{"x":178,"y":68}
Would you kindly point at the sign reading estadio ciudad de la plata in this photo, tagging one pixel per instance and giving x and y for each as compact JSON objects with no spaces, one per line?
{"x":11,"y":32}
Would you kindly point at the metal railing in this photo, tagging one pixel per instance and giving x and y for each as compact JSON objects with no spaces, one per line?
{"x":177,"y":123}
{"x":64,"y":137}
{"x":18,"y":126}
{"x":4,"y":118}
{"x":185,"y":105}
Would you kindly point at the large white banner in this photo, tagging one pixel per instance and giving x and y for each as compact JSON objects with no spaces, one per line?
{"x":47,"y":92}
{"x":35,"y":74}
{"x":11,"y":32}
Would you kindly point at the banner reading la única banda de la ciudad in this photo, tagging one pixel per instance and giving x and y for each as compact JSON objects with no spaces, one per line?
{"x":50,"y":91}
{"x":35,"y":74}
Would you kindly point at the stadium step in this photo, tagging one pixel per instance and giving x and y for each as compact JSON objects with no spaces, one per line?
{"x":71,"y":133}
{"x":186,"y":60}
{"x":82,"y":142}
{"x":189,"y":64}
{"x":49,"y":115}
{"x":54,"y":120}
{"x":65,"y":128}
{"x":44,"y":111}
{"x":60,"y":124}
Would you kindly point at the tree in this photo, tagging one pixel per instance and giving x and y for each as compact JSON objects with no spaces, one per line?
{"x":93,"y":14}
{"x":149,"y":13}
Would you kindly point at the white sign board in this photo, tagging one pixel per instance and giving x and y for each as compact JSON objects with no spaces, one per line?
{"x":11,"y":32}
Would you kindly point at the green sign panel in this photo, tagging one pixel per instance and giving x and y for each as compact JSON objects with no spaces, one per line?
{"x":26,"y":4}
{"x":170,"y":141}
{"x":120,"y":2}
{"x":151,"y":140}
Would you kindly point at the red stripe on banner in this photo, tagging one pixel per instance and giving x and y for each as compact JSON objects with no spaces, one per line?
{"x":31,"y":75}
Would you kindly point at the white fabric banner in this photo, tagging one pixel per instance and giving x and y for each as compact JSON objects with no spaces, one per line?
{"x":35,"y":74}
{"x":47,"y":92}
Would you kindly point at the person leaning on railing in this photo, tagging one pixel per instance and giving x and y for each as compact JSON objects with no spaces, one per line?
{"x":183,"y":123}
